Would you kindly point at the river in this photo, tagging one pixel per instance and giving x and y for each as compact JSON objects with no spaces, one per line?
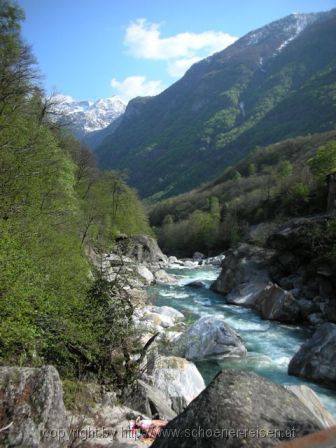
{"x":270,"y":345}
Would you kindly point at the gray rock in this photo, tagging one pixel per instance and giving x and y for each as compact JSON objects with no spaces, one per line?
{"x":148,"y":400}
{"x":210,"y":337}
{"x":274,"y":303}
{"x":238,"y":402}
{"x":161,"y":276}
{"x":309,"y":398}
{"x":215,"y":261}
{"x":32,"y":400}
{"x":198,"y":256}
{"x":142,"y":248}
{"x":179,"y":379}
{"x":145,"y":273}
{"x":244,"y":274}
{"x":316,"y":359}
{"x":197,"y":284}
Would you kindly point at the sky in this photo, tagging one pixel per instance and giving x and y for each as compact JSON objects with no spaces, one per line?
{"x":91,"y":49}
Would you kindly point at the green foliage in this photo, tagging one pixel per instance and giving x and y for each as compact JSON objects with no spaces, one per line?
{"x":285,"y":168}
{"x":54,"y":204}
{"x":324,"y":162}
{"x":283,"y":187}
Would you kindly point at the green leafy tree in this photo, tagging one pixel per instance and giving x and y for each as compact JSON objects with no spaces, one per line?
{"x":324,"y":162}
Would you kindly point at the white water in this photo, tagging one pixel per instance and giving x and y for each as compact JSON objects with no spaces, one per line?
{"x":270,"y":345}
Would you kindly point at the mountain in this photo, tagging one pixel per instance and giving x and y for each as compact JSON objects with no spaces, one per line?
{"x":85,"y":117}
{"x":276,"y":82}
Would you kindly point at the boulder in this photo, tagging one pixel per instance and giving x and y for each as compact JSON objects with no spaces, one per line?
{"x":149,"y":400}
{"x":316,"y":359}
{"x":309,"y":398}
{"x":210,"y":337}
{"x":274,"y":303}
{"x":197,"y":284}
{"x":215,"y":261}
{"x":239,"y":409}
{"x":161,"y":276}
{"x":156,"y":318}
{"x":145,"y":273}
{"x":141,"y":248}
{"x":198,"y":256}
{"x":31,"y":404}
{"x":179,"y":379}
{"x":244,"y":274}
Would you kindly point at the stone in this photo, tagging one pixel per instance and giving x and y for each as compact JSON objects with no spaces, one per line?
{"x":215,"y":261}
{"x":179,"y":379}
{"x":149,"y":400}
{"x":156,"y":318}
{"x":197,"y":284}
{"x":244,"y":274}
{"x":142,"y":249}
{"x":309,"y":398}
{"x":161,"y":276}
{"x":145,"y":273}
{"x":31,"y":399}
{"x":236,"y":401}
{"x":274,"y":303}
{"x":210,"y":337}
{"x":316,"y":359}
{"x":198,"y":256}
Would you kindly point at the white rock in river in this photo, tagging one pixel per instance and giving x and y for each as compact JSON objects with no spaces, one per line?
{"x":162,"y":276}
{"x":145,"y":273}
{"x":155,"y":318}
{"x":210,"y":337}
{"x":179,"y":379}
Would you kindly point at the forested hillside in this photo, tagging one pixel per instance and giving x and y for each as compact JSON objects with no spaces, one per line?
{"x":274,"y":83}
{"x":287,"y":179}
{"x":54,"y":205}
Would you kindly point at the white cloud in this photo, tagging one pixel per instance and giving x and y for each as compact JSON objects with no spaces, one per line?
{"x":143,"y":40}
{"x":178,"y":67}
{"x":134,"y":86}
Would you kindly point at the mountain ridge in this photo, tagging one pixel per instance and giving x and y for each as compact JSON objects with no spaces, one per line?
{"x":172,"y":142}
{"x":85,"y":117}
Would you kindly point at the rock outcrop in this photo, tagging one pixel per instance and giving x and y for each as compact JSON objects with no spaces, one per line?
{"x":210,"y":337}
{"x":316,"y":359}
{"x":143,"y":248}
{"x":239,"y":409}
{"x":31,"y":404}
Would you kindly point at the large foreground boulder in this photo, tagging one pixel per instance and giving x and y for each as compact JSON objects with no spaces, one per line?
{"x":31,"y":404}
{"x":210,"y":337}
{"x":316,"y":359}
{"x":239,"y":409}
{"x":179,"y":379}
{"x":274,"y":303}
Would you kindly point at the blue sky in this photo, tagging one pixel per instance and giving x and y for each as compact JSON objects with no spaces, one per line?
{"x":91,"y":49}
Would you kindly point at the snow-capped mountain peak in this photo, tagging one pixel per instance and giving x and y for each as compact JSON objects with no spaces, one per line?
{"x":88,"y":116}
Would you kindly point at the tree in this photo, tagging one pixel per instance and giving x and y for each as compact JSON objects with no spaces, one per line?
{"x":324,"y":162}
{"x":285,"y":168}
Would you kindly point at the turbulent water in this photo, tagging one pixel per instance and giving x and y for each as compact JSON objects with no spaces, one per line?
{"x":270,"y":345}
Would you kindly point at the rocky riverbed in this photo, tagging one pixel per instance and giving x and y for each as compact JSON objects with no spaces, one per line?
{"x":202,"y":316}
